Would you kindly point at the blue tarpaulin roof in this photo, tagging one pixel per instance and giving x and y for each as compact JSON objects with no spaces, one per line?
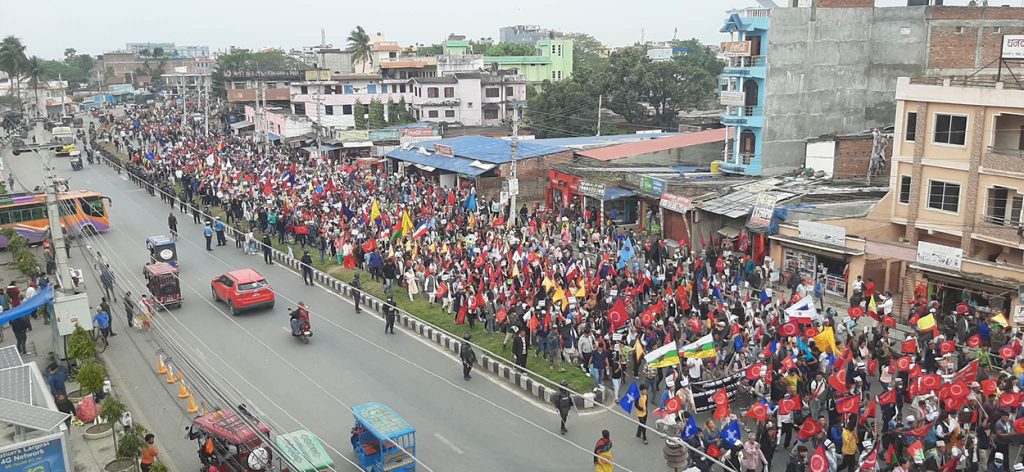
{"x":28,"y":306}
{"x":613,"y":193}
{"x":481,"y":148}
{"x":445,"y":163}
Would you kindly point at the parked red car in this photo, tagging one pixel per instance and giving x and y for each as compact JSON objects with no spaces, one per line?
{"x":242,"y":289}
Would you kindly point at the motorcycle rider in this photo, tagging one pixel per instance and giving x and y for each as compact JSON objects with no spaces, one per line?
{"x":300,"y":319}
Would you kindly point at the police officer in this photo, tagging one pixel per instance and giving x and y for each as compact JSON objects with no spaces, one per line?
{"x":389,"y":316}
{"x":356,"y":296}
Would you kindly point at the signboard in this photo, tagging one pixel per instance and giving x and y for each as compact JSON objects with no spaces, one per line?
{"x":676,"y":203}
{"x":938,"y":255}
{"x":420,"y":132}
{"x":646,"y":184}
{"x":764,"y":206}
{"x":44,"y":454}
{"x":591,"y":189}
{"x":377,"y":135}
{"x":444,"y":150}
{"x":1013,"y":46}
{"x":823,"y":233}
{"x":733,"y":99}
{"x":513,"y":187}
{"x":736,"y":48}
{"x":1018,"y":315}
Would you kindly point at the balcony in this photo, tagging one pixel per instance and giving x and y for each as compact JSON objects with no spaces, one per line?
{"x":752,"y":116}
{"x":746,"y":66}
{"x":1017,"y":153}
{"x":1000,"y":228}
{"x":749,"y":163}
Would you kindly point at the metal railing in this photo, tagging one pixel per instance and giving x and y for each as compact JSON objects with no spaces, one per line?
{"x":752,"y":12}
{"x":976,"y":81}
{"x":1000,"y":220}
{"x":735,"y":111}
{"x":1007,"y":151}
{"x":746,"y":61}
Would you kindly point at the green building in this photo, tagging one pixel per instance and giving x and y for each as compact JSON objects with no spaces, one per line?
{"x":552,"y":62}
{"x":457,"y":47}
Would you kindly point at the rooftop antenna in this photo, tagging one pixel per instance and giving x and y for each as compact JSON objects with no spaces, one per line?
{"x":675,"y":33}
{"x":323,"y":38}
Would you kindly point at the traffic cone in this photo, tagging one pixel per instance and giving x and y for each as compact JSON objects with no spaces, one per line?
{"x":161,"y":368}
{"x":192,"y":408}
{"x":170,"y":376}
{"x":180,"y":376}
{"x":182,"y":393}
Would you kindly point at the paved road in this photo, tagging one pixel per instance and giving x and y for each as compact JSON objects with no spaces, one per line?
{"x":476,"y":426}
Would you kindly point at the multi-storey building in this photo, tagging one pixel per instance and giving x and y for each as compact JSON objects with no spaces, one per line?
{"x":553,"y":61}
{"x":524,"y":34}
{"x":334,"y":103}
{"x":468,"y":98}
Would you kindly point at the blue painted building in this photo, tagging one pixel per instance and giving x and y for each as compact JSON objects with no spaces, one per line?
{"x":743,"y":89}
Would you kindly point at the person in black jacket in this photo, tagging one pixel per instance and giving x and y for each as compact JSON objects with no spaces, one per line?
{"x":798,"y":463}
{"x":389,"y":316}
{"x":267,"y":249}
{"x":307,"y":268}
{"x":563,"y":403}
{"x":356,"y":286}
{"x":21,"y":327}
{"x":468,"y":357}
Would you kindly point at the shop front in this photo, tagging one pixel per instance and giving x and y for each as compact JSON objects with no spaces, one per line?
{"x":562,"y":187}
{"x":674,"y":209}
{"x":649,"y":191}
{"x":816,"y":250}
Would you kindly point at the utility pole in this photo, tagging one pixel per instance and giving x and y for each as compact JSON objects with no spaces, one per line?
{"x":206,"y":108}
{"x":318,"y":99}
{"x":599,"y":102}
{"x":60,"y":81}
{"x":513,"y":180}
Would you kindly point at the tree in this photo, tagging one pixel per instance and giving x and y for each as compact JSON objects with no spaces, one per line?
{"x":13,"y":60}
{"x":359,"y":47}
{"x":699,"y":55}
{"x":91,"y":376}
{"x":359,"y":113}
{"x":112,"y":411}
{"x":80,"y":345}
{"x":377,"y":115}
{"x":672,"y":87}
{"x":158,"y":52}
{"x":586,"y":52}
{"x":403,"y":113}
{"x":69,"y":53}
{"x":432,"y":50}
{"x":510,"y":49}
{"x":563,"y":108}
{"x":393,"y":113}
{"x":623,"y":83}
{"x":132,"y":443}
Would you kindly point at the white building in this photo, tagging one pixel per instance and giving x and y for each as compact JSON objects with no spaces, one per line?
{"x":469,"y":99}
{"x":332,"y":103}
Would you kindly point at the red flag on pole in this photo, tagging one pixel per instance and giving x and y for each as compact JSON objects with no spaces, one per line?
{"x":758,"y":411}
{"x":818,"y":462}
{"x":809,"y":429}
{"x":617,"y":315}
{"x":849,"y":404}
{"x":721,"y":399}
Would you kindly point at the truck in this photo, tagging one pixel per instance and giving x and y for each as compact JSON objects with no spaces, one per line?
{"x":66,"y":136}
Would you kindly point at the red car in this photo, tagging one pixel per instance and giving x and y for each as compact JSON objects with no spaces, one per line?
{"x":242,"y":289}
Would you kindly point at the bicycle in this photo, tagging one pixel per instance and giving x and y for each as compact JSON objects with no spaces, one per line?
{"x":99,"y":338}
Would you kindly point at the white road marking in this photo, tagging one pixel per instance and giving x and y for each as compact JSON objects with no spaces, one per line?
{"x":448,"y":443}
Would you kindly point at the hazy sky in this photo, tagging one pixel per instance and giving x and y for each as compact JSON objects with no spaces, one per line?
{"x":97,"y":26}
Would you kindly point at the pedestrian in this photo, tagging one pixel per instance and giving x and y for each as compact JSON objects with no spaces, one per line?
{"x":753,"y":458}
{"x":172,"y":225}
{"x":641,"y":414}
{"x":356,"y":294}
{"x":149,"y":453}
{"x":106,"y":307}
{"x":208,"y":234}
{"x":56,"y":378}
{"x":798,"y":462}
{"x":65,"y":406}
{"x":129,"y":308}
{"x":603,"y":453}
{"x":21,"y":326}
{"x":563,"y":403}
{"x":389,"y":316}
{"x":101,"y":320}
{"x":267,"y":249}
{"x":468,"y":356}
{"x":218,"y":226}
{"x":307,"y":268}
{"x":520,"y":348}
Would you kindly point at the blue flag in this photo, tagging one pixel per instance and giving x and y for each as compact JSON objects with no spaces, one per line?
{"x":803,"y":348}
{"x":470,"y":203}
{"x":691,"y":429}
{"x":731,"y":434}
{"x":632,"y":395}
{"x":764,"y":297}
{"x":717,"y":293}
{"x":626,"y":253}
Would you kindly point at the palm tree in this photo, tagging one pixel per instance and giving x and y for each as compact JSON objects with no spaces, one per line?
{"x":13,"y":60}
{"x":359,"y":46}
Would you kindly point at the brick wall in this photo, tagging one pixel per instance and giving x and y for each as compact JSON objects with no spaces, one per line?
{"x":845,"y":3}
{"x":853,"y":157}
{"x":948,"y":49}
{"x":969,"y":37}
{"x":532,"y":173}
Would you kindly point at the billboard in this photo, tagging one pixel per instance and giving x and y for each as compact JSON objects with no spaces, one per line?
{"x":1013,"y":46}
{"x":764,"y":206}
{"x":736,"y":48}
{"x":44,"y":454}
{"x":735,"y":99}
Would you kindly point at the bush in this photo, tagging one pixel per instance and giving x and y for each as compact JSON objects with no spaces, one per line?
{"x":91,"y":376}
{"x":80,"y":345}
{"x":132,"y":443}
{"x":24,"y":258}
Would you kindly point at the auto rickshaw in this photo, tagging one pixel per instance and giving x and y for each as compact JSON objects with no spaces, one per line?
{"x":230,"y":442}
{"x":162,"y":282}
{"x":162,"y":249}
{"x":76,"y":160}
{"x":303,"y":452}
{"x":382,"y":439}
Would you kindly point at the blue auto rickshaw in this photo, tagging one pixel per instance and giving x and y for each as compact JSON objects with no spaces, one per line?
{"x":383,"y":441}
{"x":162,"y":249}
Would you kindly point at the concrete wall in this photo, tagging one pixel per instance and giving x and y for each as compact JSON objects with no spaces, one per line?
{"x":834,"y":70}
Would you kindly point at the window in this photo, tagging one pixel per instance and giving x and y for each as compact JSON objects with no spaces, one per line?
{"x":959,"y":30}
{"x":19,"y":214}
{"x":950,"y":129}
{"x":300,"y":108}
{"x":492,"y":92}
{"x":401,"y":88}
{"x":510,"y":92}
{"x":469,"y":104}
{"x":372,"y":88}
{"x":304,"y":90}
{"x":449,"y":113}
{"x":383,"y":88}
{"x":346,"y":89}
{"x":432,"y":92}
{"x":346,"y":109}
{"x":905,"y":181}
{"x":93,"y":206}
{"x":328,"y":109}
{"x":997,"y":29}
{"x":449,"y":92}
{"x":491,"y":114}
{"x":944,"y":196}
{"x":553,"y":76}
{"x":432,"y":114}
{"x":911,"y":128}
{"x":1003,"y":206}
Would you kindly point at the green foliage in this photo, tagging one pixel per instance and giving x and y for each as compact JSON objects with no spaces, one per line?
{"x":80,"y":345}
{"x":359,"y":47}
{"x":91,"y":375}
{"x":158,"y":467}
{"x":563,"y":108}
{"x":359,"y":113}
{"x":10,"y":101}
{"x":432,"y":50}
{"x":113,"y":409}
{"x":24,"y":258}
{"x":132,"y":442}
{"x":376,"y":118}
{"x":13,"y":60}
{"x":510,"y":49}
{"x":586,"y":53}
{"x":403,"y":114}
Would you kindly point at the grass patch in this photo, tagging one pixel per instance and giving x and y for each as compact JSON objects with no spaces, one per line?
{"x":421,"y":308}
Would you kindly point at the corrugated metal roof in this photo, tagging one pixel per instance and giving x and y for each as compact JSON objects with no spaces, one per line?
{"x":737,"y":204}
{"x":450,"y":164}
{"x":644,"y":147}
{"x":586,"y":142}
{"x":487,"y":149}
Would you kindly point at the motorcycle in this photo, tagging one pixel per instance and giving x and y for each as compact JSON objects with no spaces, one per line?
{"x":299,"y":327}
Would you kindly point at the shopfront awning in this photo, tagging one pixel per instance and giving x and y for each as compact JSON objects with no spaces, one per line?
{"x":242,"y":125}
{"x":325,"y":148}
{"x":966,"y":279}
{"x":357,"y":144}
{"x":729,"y":232}
{"x":815,"y":245}
{"x":29,"y":306}
{"x":273,"y":137}
{"x":615,"y":193}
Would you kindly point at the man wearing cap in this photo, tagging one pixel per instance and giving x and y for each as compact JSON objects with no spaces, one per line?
{"x":997,"y":463}
{"x":798,"y":462}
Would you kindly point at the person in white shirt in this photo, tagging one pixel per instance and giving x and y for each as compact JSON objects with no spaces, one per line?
{"x":694,"y":366}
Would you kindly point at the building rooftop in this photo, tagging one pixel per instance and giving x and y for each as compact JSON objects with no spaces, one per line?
{"x":517,"y":59}
{"x":472,"y":155}
{"x":645,"y":147}
{"x":405,"y":64}
{"x":388,"y":46}
{"x":436,"y":80}
{"x":588,"y":142}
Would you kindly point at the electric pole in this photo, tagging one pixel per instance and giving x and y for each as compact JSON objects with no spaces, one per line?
{"x":206,"y":110}
{"x":318,"y":99}
{"x":513,"y":180}
{"x":599,"y":102}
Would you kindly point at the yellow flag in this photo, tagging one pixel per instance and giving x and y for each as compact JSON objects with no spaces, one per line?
{"x":582,"y":292}
{"x":826,"y":340}
{"x":560,"y":296}
{"x":871,"y":304}
{"x":432,"y":247}
{"x":998,"y":319}
{"x":515,"y":270}
{"x":374,"y":211}
{"x":547,"y":283}
{"x":928,"y":322}
{"x":406,"y":224}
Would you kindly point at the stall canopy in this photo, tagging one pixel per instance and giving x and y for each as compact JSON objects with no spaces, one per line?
{"x":242,"y":125}
{"x":615,"y":193}
{"x":29,"y":306}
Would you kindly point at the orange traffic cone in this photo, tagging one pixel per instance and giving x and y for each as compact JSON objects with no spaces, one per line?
{"x":192,"y":408}
{"x":180,"y":376}
{"x":161,"y":368}
{"x":182,"y":393}
{"x":170,"y":376}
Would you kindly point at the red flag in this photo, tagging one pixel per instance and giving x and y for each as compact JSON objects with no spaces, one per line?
{"x":909,"y":346}
{"x":461,"y":317}
{"x":721,"y":399}
{"x":809,"y":429}
{"x":758,"y":411}
{"x":788,"y":405}
{"x":818,"y":462}
{"x":872,"y":366}
{"x":673,"y":405}
{"x":855,"y":312}
{"x":533,"y":323}
{"x":713,"y":450}
{"x":442,"y":290}
{"x":871,"y":461}
{"x":617,"y":316}
{"x":969,"y":373}
{"x":1018,"y":425}
{"x":788,"y":363}
{"x":947,"y":347}
{"x":916,"y":449}
{"x":920,"y":432}
{"x":810,"y":332}
{"x":501,"y":316}
{"x":788,"y":329}
{"x":887,"y":398}
{"x":370,"y":245}
{"x":988,"y":387}
{"x":930,"y":383}
{"x":1009,"y":400}
{"x":1006,"y":352}
{"x":754,"y":371}
{"x":838,"y":380}
{"x":903,"y":364}
{"x":888,"y":321}
{"x":957,"y":389}
{"x":869,"y":412}
{"x":849,"y":404}
{"x":974,"y":341}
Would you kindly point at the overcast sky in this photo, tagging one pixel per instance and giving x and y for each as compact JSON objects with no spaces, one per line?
{"x":48,"y":26}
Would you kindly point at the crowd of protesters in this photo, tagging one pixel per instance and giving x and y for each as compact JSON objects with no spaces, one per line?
{"x":842,"y":388}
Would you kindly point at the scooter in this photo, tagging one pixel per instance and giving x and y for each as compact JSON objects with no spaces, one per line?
{"x":299,"y":328}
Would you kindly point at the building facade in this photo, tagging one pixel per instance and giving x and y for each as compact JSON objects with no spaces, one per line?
{"x":553,"y":61}
{"x":468,"y":98}
{"x":524,"y":34}
{"x":333,"y":104}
